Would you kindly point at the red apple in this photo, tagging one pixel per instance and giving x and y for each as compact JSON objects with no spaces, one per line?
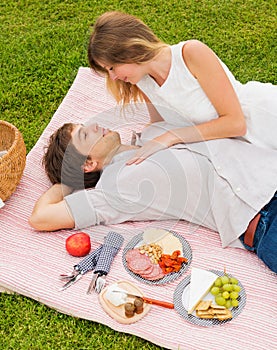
{"x":78,"y":244}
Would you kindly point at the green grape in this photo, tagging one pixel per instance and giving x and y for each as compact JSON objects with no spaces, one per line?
{"x":226,"y":295}
{"x":236,"y":288}
{"x":235,"y":302}
{"x":228,"y":304}
{"x":220,"y":300}
{"x":234,"y":295}
{"x":233,"y":280}
{"x":214,"y":290}
{"x":224,"y":279}
{"x":227,"y":287}
{"x":218,"y":282}
{"x":226,"y":291}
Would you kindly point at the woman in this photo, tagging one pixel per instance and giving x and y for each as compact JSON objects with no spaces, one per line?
{"x":186,"y":85}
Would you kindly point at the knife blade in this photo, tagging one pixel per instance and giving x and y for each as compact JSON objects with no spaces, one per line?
{"x":149,"y":300}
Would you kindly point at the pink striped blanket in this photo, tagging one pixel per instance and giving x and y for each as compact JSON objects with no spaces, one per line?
{"x":30,"y":262}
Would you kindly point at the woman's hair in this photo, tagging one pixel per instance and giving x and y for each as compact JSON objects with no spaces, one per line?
{"x":120,"y":38}
{"x":63,"y":163}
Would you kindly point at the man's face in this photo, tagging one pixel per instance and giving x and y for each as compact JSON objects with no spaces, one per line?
{"x":95,"y":141}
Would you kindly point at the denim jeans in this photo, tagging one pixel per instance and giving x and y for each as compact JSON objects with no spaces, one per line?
{"x":265,"y":239}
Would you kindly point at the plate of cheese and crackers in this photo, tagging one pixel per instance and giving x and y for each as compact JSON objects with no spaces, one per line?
{"x":194,"y":301}
{"x":157,"y":256}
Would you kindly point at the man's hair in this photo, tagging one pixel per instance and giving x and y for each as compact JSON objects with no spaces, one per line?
{"x":63,"y":163}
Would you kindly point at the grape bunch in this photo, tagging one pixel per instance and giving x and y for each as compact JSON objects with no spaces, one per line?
{"x":226,"y":291}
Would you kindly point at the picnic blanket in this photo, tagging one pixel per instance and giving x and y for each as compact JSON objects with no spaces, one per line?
{"x":30,"y":261}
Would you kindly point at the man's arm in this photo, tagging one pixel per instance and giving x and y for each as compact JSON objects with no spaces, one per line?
{"x":50,"y":212}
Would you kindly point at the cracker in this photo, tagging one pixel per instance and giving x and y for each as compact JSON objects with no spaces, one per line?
{"x":215,"y":306}
{"x":207,"y":316}
{"x":203,"y":305}
{"x":226,"y":316}
{"x":203,"y":313}
{"x":220,"y":312}
{"x":213,"y":311}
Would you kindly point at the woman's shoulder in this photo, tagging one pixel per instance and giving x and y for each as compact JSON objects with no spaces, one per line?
{"x":190,"y":44}
{"x":196,"y":55}
{"x":189,"y":49}
{"x":194,"y":47}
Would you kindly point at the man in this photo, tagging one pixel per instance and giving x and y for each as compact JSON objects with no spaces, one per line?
{"x":219,"y":184}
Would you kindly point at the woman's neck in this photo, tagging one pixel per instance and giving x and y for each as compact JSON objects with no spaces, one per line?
{"x":159,"y":67}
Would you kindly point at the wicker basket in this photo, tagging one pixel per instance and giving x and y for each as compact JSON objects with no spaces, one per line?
{"x":13,"y":162}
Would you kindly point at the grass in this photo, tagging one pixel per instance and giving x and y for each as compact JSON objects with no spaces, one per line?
{"x":43,"y":43}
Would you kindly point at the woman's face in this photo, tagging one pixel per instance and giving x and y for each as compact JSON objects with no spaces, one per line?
{"x":127,"y":72}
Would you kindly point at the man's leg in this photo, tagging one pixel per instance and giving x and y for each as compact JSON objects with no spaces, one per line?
{"x":265,"y":241}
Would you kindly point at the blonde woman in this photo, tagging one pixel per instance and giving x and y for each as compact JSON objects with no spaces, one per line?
{"x":185,"y":84}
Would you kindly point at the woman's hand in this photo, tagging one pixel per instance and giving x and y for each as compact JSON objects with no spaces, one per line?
{"x":157,"y":144}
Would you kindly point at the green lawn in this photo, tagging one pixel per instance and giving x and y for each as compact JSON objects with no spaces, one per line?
{"x":42,"y":45}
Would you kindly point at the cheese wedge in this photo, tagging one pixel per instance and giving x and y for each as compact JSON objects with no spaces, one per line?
{"x":165,"y":239}
{"x":152,"y":235}
{"x":200,"y":284}
{"x":170,"y":243}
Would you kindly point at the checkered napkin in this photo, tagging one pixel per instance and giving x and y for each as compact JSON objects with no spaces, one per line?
{"x":89,"y":262}
{"x":112,"y":243}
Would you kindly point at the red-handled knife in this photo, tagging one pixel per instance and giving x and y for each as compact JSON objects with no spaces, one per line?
{"x":149,"y":300}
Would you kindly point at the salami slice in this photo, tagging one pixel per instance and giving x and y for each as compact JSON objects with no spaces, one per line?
{"x":157,"y":273}
{"x":157,"y":277}
{"x":142,"y":265}
{"x":148,"y":270}
{"x":132,"y":254}
{"x":139,"y":264}
{"x":139,"y":271}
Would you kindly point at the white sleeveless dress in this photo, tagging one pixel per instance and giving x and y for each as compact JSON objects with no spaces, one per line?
{"x":181,"y":101}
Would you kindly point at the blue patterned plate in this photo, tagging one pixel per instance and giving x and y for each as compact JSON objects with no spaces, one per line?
{"x":180,"y":298}
{"x":187,"y":253}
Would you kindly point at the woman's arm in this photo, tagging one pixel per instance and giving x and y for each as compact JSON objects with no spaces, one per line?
{"x":153,"y":113}
{"x":50,"y":212}
{"x":206,"y":68}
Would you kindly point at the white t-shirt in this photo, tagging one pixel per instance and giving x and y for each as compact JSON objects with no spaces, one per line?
{"x":219,"y":184}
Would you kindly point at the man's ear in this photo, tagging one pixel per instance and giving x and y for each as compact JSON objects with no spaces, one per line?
{"x":89,"y":166}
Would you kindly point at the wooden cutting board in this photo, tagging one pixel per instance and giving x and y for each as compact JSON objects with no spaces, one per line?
{"x":118,"y":312}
